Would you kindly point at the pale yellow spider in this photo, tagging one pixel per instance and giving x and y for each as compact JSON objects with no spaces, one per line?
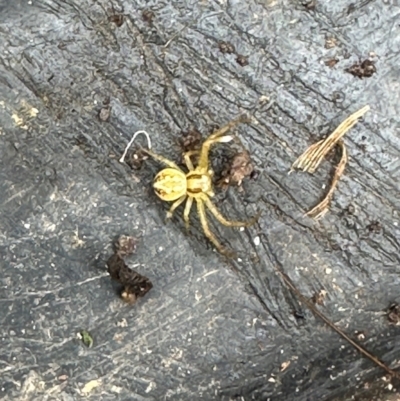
{"x":173,"y":185}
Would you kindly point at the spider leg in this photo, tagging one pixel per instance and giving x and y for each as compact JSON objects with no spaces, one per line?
{"x":217,"y":214}
{"x":218,"y":136}
{"x":209,"y":234}
{"x":188,"y":161}
{"x":188,"y":206}
{"x":162,"y":159}
{"x":231,"y":124}
{"x":175,"y":205}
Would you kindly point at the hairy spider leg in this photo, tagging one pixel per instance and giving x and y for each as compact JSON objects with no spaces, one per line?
{"x":188,"y":161}
{"x":217,"y":214}
{"x":218,"y":136}
{"x":231,"y":124}
{"x":175,"y":205}
{"x":209,"y":234}
{"x":162,"y":159}
{"x":186,"y":212}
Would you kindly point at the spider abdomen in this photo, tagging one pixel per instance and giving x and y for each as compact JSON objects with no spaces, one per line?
{"x":170,"y":184}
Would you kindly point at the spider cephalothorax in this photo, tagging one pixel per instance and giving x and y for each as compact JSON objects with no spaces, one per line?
{"x":173,"y":185}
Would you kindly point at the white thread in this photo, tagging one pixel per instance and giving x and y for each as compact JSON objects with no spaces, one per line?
{"x":121,"y":160}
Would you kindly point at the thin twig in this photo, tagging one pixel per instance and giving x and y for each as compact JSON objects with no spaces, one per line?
{"x":122,"y":159}
{"x":175,"y":35}
{"x":195,"y":20}
{"x":319,"y":314}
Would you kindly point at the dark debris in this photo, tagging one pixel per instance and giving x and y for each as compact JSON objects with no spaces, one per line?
{"x":350,"y":209}
{"x":125,"y":245}
{"x":239,"y":167}
{"x":226,"y":47}
{"x":136,"y":159}
{"x":331,"y":62}
{"x":362,"y":70}
{"x":375,"y":227}
{"x":254,"y":175}
{"x":242,"y":60}
{"x":319,"y":297}
{"x":104,"y":113}
{"x":310,"y":5}
{"x":393,"y":315}
{"x":117,"y":19}
{"x":191,"y":140}
{"x":148,"y":16}
{"x":299,"y":314}
{"x":134,"y":284}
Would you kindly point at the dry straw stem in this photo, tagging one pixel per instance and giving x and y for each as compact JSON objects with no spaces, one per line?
{"x":313,"y":156}
{"x":319,"y":211}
